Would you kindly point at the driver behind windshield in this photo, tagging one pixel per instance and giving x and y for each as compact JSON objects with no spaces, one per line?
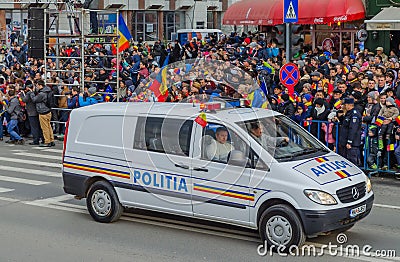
{"x":256,"y":131}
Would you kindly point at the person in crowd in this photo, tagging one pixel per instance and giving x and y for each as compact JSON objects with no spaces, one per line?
{"x":389,"y":112}
{"x":372,"y":108}
{"x":14,"y":109}
{"x":32,"y":113}
{"x":41,"y":98}
{"x":373,"y":158}
{"x":350,"y":133}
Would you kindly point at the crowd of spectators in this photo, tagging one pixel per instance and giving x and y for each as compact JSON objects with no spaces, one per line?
{"x":365,"y":80}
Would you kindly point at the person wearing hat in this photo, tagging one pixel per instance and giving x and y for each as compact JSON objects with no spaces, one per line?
{"x":315,"y":78}
{"x":379,"y":52}
{"x":336,"y":96}
{"x":372,"y":108}
{"x":389,"y":112}
{"x":90,"y":98}
{"x":350,"y":138}
{"x":358,"y":101}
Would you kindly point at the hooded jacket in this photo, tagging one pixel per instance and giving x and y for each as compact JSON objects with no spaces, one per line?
{"x":40,"y":100}
{"x":14,"y":108}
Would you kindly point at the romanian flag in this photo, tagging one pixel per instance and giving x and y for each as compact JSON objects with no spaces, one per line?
{"x":379,"y":120}
{"x":201,"y":119}
{"x":398,"y":120}
{"x":22,"y":103}
{"x":342,"y":173}
{"x":292,"y":98}
{"x":308,"y":103}
{"x":159,"y":86}
{"x":338,"y":104}
{"x":124,"y":35}
{"x":307,"y":122}
{"x":346,"y":69}
{"x":390,"y":147}
{"x":321,"y":159}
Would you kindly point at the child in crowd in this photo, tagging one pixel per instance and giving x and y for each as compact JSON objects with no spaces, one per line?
{"x":372,"y":143}
{"x":389,"y":112}
{"x":329,"y":130}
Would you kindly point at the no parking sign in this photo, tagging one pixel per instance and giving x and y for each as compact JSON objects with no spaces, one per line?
{"x":289,"y":76}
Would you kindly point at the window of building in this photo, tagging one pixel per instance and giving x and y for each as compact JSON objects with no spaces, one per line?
{"x":160,"y":135}
{"x":173,"y":21}
{"x":145,"y":25}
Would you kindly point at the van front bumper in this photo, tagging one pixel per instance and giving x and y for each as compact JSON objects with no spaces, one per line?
{"x":315,"y":222}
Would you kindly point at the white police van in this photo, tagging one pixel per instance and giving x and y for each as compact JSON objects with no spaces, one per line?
{"x":248,"y":167}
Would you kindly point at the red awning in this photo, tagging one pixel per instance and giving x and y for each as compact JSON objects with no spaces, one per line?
{"x":270,"y":12}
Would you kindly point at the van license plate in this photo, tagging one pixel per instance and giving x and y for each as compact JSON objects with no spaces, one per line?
{"x":358,"y":210}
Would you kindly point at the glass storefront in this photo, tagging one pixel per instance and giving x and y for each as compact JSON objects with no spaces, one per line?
{"x":173,"y":21}
{"x":145,"y":24}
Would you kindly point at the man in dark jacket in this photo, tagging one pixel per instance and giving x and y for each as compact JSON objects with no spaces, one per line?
{"x":40,"y":98}
{"x":15,"y":111}
{"x":287,"y":107}
{"x":350,"y":135}
{"x":33,"y":115}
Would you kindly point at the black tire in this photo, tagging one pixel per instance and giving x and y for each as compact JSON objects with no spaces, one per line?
{"x":288,"y":230}
{"x":103,"y":203}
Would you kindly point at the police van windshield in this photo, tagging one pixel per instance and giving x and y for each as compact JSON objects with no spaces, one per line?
{"x":283,"y":138}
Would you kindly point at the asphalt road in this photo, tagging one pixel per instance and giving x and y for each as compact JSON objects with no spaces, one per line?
{"x":38,"y":222}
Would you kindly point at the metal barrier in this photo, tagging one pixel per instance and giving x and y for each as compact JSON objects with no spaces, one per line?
{"x":308,"y":124}
{"x":383,"y":158}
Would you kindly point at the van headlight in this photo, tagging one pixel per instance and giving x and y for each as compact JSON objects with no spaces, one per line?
{"x":320,"y":197}
{"x":368,"y":185}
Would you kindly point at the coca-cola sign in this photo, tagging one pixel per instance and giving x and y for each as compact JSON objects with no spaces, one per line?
{"x":318,"y":20}
{"x":340,"y":18}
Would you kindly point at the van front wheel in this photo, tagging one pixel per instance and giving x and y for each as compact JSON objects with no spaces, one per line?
{"x":279,"y":225}
{"x":102,"y":203}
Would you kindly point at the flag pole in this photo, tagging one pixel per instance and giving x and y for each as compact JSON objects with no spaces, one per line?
{"x":118,"y":91}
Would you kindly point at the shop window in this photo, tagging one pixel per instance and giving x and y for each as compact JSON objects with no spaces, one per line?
{"x":145,"y":26}
{"x":173,"y":21}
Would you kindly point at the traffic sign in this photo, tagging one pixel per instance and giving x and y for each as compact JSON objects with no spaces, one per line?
{"x":289,"y":76}
{"x":362,"y":35}
{"x":290,"y":11}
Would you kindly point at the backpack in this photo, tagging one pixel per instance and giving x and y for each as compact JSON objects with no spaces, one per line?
{"x":51,"y":100}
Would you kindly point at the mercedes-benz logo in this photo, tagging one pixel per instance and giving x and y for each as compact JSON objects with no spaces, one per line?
{"x":355,"y":193}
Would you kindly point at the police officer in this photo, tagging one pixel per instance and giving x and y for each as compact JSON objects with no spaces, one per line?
{"x":350,"y":136}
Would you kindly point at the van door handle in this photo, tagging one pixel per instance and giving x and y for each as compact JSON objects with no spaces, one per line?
{"x":182,"y":166}
{"x":200,"y":169}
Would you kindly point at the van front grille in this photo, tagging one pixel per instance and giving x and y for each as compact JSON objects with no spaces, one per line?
{"x":348,"y":194}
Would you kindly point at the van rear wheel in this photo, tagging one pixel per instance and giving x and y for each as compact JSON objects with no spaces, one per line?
{"x":279,"y":225}
{"x":103,"y":203}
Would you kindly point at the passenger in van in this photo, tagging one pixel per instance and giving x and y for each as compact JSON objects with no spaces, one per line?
{"x":220,"y":149}
{"x":265,"y":141}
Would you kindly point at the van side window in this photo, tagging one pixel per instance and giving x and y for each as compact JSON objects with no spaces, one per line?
{"x":221,"y":144}
{"x":256,"y":162}
{"x":170,"y":136}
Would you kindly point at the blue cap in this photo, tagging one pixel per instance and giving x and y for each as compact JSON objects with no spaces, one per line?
{"x":348,"y":100}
